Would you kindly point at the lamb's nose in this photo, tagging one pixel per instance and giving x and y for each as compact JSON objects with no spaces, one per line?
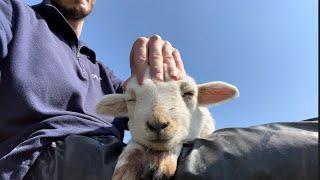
{"x":157,"y":127}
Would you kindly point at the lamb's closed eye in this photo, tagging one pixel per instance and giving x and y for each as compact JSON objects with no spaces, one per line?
{"x":131,"y":99}
{"x":188,"y":94}
{"x":130,"y":95}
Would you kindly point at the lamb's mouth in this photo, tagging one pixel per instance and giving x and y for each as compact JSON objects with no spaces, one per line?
{"x":159,"y":144}
{"x":159,"y":140}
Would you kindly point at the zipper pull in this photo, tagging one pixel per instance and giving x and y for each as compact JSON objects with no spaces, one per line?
{"x":78,"y":53}
{"x":84,"y":72}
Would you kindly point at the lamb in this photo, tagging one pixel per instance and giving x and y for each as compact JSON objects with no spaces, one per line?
{"x":162,"y":116}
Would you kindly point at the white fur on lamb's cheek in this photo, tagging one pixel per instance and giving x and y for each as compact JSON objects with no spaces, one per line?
{"x":181,"y":117}
{"x":171,"y":99}
{"x":189,"y":109}
{"x":195,"y":124}
{"x":143,"y":113}
{"x":185,"y":126}
{"x":208,"y":124}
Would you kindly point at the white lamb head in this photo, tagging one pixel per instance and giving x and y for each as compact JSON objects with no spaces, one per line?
{"x":162,"y":114}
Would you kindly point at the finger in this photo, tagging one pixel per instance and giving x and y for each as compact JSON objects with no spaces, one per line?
{"x":131,"y":62}
{"x":167,"y":52}
{"x":155,"y":45}
{"x":139,"y":56}
{"x":125,"y":83}
{"x":179,"y":64}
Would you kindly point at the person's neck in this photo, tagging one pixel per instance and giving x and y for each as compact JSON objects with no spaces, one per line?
{"x":76,"y":25}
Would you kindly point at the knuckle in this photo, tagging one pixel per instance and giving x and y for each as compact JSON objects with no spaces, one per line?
{"x":171,"y":63}
{"x":171,"y":68}
{"x":140,"y":50}
{"x":139,"y":53}
{"x":156,"y":55}
{"x":167,"y":53}
{"x":141,"y":57}
{"x":168,"y":48}
{"x":156,"y":69}
{"x":168,"y":56}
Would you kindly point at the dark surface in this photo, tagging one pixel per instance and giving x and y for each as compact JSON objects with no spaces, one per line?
{"x":78,"y":158}
{"x":284,"y":151}
{"x":272,"y":151}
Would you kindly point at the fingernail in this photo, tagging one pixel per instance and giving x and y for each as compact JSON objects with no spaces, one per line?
{"x":159,"y":76}
{"x":140,"y":81}
{"x":173,"y":73}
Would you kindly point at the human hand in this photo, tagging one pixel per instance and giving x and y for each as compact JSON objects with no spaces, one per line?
{"x":155,"y":52}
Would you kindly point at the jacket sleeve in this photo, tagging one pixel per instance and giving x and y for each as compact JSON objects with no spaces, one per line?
{"x":116,"y":82}
{"x":6,"y":17}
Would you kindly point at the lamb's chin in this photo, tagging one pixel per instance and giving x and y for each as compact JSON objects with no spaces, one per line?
{"x":159,"y":145}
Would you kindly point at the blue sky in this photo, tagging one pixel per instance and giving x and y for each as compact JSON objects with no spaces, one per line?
{"x":268,"y":49}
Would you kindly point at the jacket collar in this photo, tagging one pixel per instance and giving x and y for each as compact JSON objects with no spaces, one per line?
{"x":59,"y":23}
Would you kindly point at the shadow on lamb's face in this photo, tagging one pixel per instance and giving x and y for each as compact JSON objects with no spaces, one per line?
{"x":160,"y":113}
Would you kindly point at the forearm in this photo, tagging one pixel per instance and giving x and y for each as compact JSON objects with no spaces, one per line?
{"x":5,"y":27}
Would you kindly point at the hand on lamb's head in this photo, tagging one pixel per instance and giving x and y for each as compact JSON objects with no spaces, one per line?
{"x":163,"y":115}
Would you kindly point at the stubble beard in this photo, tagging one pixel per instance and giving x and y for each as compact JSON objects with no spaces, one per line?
{"x":75,"y":13}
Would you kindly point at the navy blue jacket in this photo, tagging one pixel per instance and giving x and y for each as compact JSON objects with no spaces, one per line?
{"x":49,"y":85}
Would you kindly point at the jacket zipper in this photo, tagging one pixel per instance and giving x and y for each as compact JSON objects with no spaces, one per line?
{"x":81,"y":66}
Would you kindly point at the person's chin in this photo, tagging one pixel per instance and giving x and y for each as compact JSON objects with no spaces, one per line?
{"x":77,"y":13}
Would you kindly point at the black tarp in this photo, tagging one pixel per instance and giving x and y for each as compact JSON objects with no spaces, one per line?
{"x":286,"y":151}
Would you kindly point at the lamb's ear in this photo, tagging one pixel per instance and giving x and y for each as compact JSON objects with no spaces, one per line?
{"x":216,"y":92}
{"x":113,"y":105}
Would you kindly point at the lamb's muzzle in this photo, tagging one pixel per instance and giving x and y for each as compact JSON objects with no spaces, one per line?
{"x":157,"y":127}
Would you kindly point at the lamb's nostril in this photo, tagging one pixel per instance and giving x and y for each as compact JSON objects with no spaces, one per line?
{"x":152,"y":128}
{"x":157,"y":127}
{"x":164,"y":125}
